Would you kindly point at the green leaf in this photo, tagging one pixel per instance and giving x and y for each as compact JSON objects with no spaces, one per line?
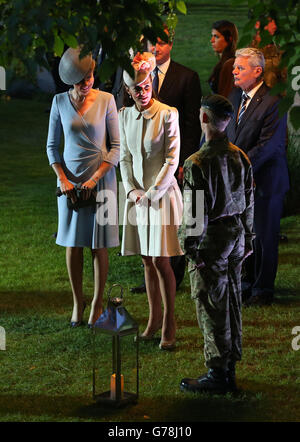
{"x":24,"y":41}
{"x":70,"y":40}
{"x":106,"y":70}
{"x":278,"y":88}
{"x":266,"y":39}
{"x":281,"y":4}
{"x":285,"y":105}
{"x":251,"y":3}
{"x":51,"y":25}
{"x":58,"y":45}
{"x":295,"y":117}
{"x":92,"y":33}
{"x":180,"y":5}
{"x":245,"y":40}
{"x":258,"y":9}
{"x":250,"y":26}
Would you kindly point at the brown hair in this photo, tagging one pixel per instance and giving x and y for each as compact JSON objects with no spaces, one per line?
{"x":230,"y":34}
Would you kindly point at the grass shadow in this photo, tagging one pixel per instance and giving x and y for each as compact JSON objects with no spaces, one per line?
{"x":213,"y":408}
{"x":287,"y":297}
{"x":18,"y":302}
{"x":251,"y":404}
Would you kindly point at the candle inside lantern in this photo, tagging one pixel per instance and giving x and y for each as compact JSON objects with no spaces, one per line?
{"x":113,"y":386}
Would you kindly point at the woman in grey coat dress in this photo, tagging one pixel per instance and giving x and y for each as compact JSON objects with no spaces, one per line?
{"x":87,"y":118}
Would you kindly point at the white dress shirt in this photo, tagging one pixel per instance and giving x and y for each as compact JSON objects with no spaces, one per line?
{"x":250,"y":96}
{"x":252,"y":93}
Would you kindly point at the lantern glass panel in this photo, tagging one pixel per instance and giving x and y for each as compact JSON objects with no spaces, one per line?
{"x":105,"y":368}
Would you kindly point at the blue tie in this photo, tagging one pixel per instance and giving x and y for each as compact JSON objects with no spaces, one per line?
{"x":243,"y":106}
{"x":155,"y":81}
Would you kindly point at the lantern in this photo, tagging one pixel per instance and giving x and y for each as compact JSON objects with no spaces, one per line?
{"x":116,"y":325}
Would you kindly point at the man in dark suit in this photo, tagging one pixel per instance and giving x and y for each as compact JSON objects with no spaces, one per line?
{"x":178,"y":86}
{"x":258,"y":130}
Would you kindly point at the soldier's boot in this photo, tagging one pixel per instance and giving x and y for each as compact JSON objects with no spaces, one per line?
{"x":230,"y":374}
{"x":214,"y":381}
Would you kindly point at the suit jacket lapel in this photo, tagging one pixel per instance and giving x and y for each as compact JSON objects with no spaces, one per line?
{"x":236,"y":105}
{"x":256,"y":100}
{"x":170,"y":77}
{"x":235,"y":99}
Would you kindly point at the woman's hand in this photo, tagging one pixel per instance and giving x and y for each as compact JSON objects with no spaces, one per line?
{"x":142,"y":201}
{"x":87,"y":187}
{"x":136,"y":194}
{"x":90,"y":184}
{"x":68,"y":189}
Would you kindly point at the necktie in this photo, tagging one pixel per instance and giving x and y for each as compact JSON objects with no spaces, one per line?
{"x":243,"y":106}
{"x":155,"y":81}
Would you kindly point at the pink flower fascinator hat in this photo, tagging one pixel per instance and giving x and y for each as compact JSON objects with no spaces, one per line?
{"x":143,"y":64}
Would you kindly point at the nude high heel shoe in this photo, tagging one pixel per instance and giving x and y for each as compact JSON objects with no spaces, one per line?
{"x":150,"y":336}
{"x":167,"y":345}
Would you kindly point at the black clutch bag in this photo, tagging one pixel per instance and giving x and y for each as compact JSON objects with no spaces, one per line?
{"x":79,"y":202}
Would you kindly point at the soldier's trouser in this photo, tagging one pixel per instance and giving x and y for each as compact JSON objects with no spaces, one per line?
{"x":216,"y":289}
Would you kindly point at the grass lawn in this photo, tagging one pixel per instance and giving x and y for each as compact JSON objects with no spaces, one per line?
{"x":46,"y":369}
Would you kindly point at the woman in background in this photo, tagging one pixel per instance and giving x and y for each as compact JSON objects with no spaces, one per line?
{"x":224,"y":36}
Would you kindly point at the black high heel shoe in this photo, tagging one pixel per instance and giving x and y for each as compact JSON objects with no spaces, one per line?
{"x":74,"y":324}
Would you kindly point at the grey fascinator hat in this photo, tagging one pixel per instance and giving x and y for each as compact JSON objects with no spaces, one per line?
{"x":73,"y":69}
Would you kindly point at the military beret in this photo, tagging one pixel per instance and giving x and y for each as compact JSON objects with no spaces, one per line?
{"x":219,"y":105}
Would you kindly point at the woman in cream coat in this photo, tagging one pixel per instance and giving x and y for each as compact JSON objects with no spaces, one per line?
{"x":149,"y":155}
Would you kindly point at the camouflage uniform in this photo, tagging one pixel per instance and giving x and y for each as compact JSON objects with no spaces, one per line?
{"x":215,"y":256}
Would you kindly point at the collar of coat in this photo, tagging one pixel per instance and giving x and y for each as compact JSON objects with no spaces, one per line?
{"x":147,"y":113}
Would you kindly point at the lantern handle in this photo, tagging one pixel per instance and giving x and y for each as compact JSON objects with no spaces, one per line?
{"x":113,"y":286}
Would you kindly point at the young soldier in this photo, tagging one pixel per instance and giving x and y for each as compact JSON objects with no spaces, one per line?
{"x":216,"y":251}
